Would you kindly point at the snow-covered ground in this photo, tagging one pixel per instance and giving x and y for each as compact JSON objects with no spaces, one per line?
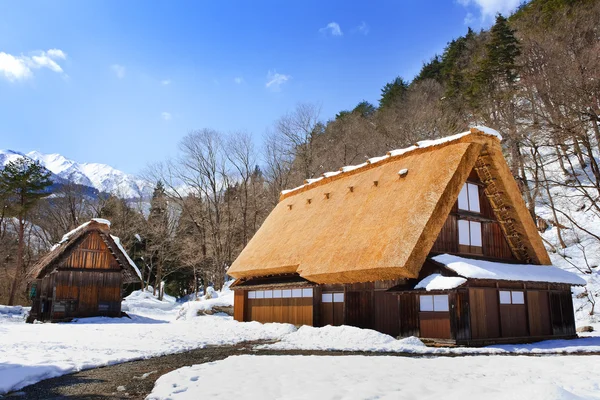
{"x":363,"y":377}
{"x":158,"y":328}
{"x":30,"y":353}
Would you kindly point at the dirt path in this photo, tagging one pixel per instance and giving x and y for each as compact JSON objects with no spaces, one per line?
{"x":135,"y":379}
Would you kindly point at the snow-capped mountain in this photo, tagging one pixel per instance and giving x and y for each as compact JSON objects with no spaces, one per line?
{"x":102,"y":177}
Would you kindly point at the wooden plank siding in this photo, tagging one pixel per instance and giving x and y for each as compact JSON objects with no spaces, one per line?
{"x":297,"y":311}
{"x":485,"y":317}
{"x":386,"y":312}
{"x":494,"y":244}
{"x":91,"y":253}
{"x":538,"y":310}
{"x":239,"y":306}
{"x":435,"y":325}
{"x":561,"y":313}
{"x":409,"y":314}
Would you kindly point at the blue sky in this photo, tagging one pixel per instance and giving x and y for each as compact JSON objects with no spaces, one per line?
{"x":120,"y":82}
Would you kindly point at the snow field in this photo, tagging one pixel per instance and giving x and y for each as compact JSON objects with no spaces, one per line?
{"x":384,"y":377}
{"x":30,"y":353}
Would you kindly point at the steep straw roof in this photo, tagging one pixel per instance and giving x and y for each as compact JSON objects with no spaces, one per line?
{"x":131,"y":273}
{"x":378,"y":220}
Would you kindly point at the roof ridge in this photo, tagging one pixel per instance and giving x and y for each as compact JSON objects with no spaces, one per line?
{"x":475,"y":131}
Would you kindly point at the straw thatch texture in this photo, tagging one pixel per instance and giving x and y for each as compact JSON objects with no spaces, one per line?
{"x":328,"y":233}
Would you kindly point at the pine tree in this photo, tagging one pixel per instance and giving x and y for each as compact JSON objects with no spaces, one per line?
{"x":500,"y":63}
{"x":159,"y":240}
{"x":23,"y":183}
{"x":393,"y":91}
{"x":364,"y":109}
{"x":431,"y":70}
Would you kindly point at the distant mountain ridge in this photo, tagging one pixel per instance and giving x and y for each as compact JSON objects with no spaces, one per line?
{"x":101,"y":177}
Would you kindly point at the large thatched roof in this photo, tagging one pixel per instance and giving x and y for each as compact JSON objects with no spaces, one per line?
{"x":374,"y":223}
{"x":69,"y":241}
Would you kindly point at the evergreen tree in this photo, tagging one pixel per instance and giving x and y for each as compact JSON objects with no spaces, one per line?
{"x":502,"y":50}
{"x":393,"y":91}
{"x":431,"y":70}
{"x":23,"y":183}
{"x":365,"y":109}
{"x":159,"y":242}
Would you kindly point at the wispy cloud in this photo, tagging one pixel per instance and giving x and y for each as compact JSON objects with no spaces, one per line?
{"x":469,"y":19}
{"x":239,"y":80}
{"x":119,"y":70}
{"x":15,"y":68}
{"x":166,"y":116}
{"x":165,"y":82}
{"x":332,"y":28}
{"x":363,"y":28}
{"x":275,"y":80}
{"x":489,"y":8}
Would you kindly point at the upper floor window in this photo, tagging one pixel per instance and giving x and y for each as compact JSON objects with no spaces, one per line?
{"x":468,"y":198}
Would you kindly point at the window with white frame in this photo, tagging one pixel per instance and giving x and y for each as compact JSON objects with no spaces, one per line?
{"x":435,"y":303}
{"x":511,"y":297}
{"x":280,"y":293}
{"x":468,"y":198}
{"x":332,"y":297}
{"x":469,"y":233}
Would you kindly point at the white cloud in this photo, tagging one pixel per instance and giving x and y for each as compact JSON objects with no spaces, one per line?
{"x":238,"y":79}
{"x":489,"y":8}
{"x":166,"y":116}
{"x":119,"y":70}
{"x":21,"y":67}
{"x":333,"y":28}
{"x":469,"y":19}
{"x":165,"y":82}
{"x":363,"y":28}
{"x":275,"y":80}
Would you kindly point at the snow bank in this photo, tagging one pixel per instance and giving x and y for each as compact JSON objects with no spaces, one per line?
{"x":10,"y":314}
{"x":479,"y":269}
{"x":348,"y":338}
{"x":361,"y":377}
{"x":223,"y":298}
{"x":439,"y":282}
{"x":344,"y":338}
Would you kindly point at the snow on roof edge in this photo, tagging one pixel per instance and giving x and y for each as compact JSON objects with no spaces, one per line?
{"x":439,"y":282}
{"x":129,"y":260}
{"x":70,"y":234}
{"x":480,"y":269}
{"x":394,"y":153}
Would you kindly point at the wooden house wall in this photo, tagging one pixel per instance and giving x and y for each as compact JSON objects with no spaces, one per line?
{"x":85,"y":281}
{"x":484,"y":310}
{"x":71,"y":294}
{"x":90,"y":253}
{"x":297,"y":311}
{"x":561,"y":313}
{"x":435,"y":325}
{"x":494,"y":244}
{"x":546,"y":312}
{"x":239,"y":305}
{"x":475,"y":313}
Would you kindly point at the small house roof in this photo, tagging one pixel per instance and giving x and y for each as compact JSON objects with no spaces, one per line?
{"x":480,"y":269}
{"x":131,"y":273}
{"x":379,"y":220}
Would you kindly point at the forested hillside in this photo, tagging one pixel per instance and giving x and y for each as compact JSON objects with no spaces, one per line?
{"x":534,"y":76}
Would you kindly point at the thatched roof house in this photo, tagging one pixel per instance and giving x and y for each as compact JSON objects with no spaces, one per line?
{"x":378,"y":225}
{"x":82,"y":275}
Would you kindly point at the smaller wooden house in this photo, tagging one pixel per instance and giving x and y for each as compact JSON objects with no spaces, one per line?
{"x":82,"y":276}
{"x":433,"y":241}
